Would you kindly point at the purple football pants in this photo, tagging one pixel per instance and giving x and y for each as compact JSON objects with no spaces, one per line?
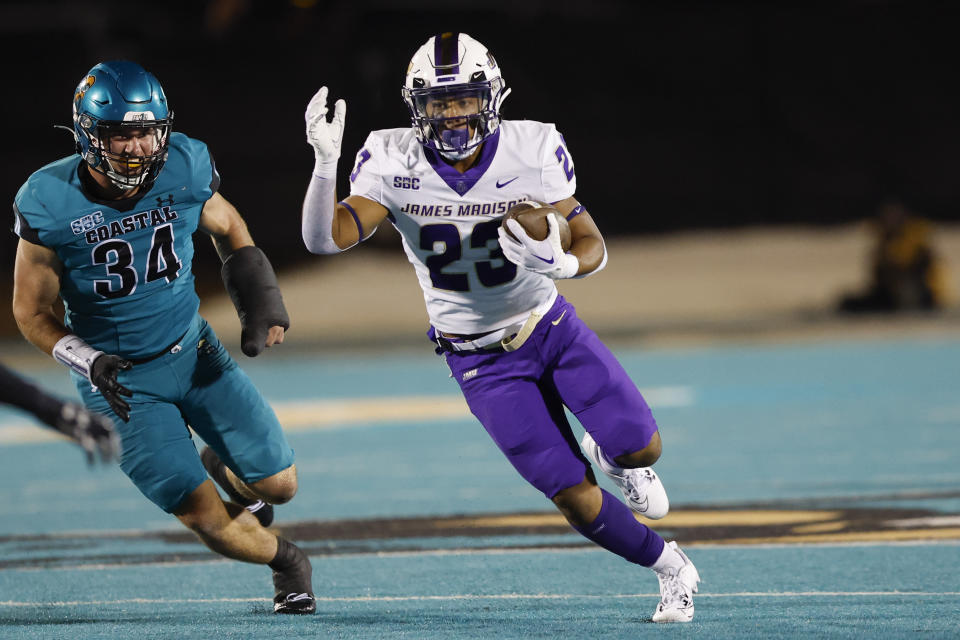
{"x":519,"y":397}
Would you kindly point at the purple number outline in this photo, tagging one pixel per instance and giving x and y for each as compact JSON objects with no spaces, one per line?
{"x":363,"y":157}
{"x":563,"y":157}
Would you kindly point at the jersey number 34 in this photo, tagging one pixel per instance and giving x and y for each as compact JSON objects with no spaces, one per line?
{"x":117,"y":255}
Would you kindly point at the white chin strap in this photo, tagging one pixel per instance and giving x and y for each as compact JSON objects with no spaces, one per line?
{"x":502,"y":97}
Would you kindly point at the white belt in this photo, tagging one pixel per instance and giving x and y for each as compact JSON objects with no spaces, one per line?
{"x":509,"y":338}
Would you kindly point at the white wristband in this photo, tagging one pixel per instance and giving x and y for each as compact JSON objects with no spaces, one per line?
{"x":325,"y":169}
{"x":76,"y":354}
{"x":568,"y":267}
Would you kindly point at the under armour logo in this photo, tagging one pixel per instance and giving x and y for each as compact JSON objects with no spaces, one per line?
{"x":168,"y":200}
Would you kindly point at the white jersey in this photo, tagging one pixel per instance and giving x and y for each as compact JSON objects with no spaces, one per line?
{"x":448,"y":220}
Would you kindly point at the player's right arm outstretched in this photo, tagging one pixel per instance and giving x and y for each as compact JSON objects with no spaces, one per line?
{"x":329,"y":226}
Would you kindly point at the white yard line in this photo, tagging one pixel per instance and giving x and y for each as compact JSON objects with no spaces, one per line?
{"x":407,"y":553}
{"x":489,"y":596}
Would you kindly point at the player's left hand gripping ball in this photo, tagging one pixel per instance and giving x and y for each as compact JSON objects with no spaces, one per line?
{"x":541,"y":256}
{"x":252,"y":285}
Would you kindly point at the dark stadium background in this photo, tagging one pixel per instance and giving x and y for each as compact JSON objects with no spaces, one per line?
{"x":679,"y":115}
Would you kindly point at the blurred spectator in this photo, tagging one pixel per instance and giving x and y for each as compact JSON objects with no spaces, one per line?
{"x":906,"y":274}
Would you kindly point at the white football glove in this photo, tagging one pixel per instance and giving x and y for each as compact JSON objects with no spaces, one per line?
{"x":541,"y":256}
{"x":325,"y":137}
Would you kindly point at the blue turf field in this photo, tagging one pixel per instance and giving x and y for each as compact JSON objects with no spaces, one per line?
{"x":849,"y":428}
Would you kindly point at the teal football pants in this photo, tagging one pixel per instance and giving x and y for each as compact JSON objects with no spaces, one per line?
{"x":195,"y":383}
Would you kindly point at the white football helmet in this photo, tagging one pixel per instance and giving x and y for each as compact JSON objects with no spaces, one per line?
{"x":454,"y":90}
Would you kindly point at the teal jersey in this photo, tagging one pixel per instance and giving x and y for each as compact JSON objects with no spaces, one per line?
{"x":127,"y":282}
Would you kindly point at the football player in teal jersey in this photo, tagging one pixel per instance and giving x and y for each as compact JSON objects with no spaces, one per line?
{"x":110,"y":230}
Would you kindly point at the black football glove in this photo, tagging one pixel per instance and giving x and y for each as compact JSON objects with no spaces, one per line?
{"x":103,"y":375}
{"x":252,"y":285}
{"x":92,"y":431}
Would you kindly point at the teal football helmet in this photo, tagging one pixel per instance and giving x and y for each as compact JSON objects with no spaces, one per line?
{"x":115,"y":102}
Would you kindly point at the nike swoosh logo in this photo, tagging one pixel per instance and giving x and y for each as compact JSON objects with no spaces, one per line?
{"x":550,"y":261}
{"x":501,"y":185}
{"x":557,"y":321}
{"x":297,"y":597}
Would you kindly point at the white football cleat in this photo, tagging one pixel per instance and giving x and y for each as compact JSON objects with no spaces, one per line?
{"x":641,"y":487}
{"x":676,"y":591}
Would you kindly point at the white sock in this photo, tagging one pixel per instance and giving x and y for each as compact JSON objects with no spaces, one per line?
{"x":669,"y":561}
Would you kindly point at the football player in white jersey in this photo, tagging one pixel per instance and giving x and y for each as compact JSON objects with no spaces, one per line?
{"x":516,"y":348}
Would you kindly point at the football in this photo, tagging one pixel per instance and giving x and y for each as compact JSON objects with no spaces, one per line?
{"x":532,"y":216}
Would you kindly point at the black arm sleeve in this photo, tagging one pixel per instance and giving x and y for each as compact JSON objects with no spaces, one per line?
{"x":16,"y":391}
{"x":252,"y":285}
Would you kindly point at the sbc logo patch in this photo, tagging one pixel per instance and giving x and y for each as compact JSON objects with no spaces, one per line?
{"x":87,"y":222}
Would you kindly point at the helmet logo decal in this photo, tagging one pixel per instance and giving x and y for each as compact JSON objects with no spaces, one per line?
{"x":83,"y":87}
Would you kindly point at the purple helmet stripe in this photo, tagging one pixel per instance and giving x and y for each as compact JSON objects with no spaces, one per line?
{"x":445,"y":53}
